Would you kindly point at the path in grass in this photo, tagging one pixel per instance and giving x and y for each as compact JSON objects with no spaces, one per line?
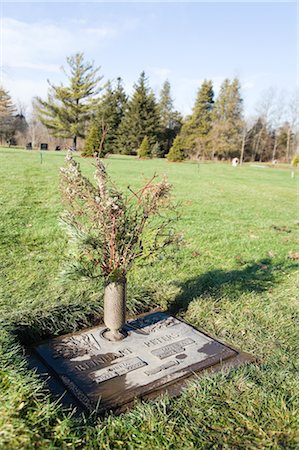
{"x":232,"y":277}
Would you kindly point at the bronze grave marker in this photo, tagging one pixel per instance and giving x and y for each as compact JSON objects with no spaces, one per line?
{"x":159,"y":353}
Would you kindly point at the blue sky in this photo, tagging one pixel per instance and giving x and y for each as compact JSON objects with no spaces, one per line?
{"x":184,"y":42}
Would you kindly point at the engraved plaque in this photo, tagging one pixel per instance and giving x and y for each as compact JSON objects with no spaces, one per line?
{"x":159,"y":352}
{"x":172,"y":349}
{"x":118,"y":369}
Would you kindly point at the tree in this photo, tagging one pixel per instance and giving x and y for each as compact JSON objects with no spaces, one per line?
{"x":144,"y":150}
{"x":141,"y":119}
{"x":176,"y":152}
{"x":110,"y":112}
{"x":292,"y":120}
{"x":266,"y":117}
{"x":6,"y":105}
{"x":93,"y":138}
{"x":196,"y":130}
{"x":259,"y":141}
{"x":7,"y":117}
{"x":20,"y":129}
{"x":171,"y":120}
{"x":295,"y":161}
{"x":70,"y":107}
{"x":157,"y":151}
{"x":228,"y":124}
{"x":37,"y":132}
{"x":277,"y":115}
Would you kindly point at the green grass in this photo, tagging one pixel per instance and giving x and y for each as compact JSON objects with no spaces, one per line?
{"x":232,"y":278}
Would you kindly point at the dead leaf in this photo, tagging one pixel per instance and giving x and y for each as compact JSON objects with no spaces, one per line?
{"x":271,"y":254}
{"x":263,"y":266}
{"x":287,"y":239}
{"x":293,"y":255}
{"x":195,"y":254}
{"x":282,"y":228}
{"x":240,"y":260}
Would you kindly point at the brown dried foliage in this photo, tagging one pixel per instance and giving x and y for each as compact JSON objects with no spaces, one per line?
{"x":112,"y":230}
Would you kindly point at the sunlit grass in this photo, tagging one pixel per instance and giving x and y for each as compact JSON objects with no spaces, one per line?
{"x":232,"y":277}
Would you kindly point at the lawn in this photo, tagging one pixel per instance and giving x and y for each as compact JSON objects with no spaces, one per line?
{"x":234,"y":277}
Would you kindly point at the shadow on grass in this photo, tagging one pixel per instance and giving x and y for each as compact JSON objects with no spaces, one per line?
{"x":255,"y":277}
{"x":38,"y":324}
{"x":81,"y":311}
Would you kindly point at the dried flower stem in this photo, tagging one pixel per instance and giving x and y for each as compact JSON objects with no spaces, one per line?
{"x":112,"y":230}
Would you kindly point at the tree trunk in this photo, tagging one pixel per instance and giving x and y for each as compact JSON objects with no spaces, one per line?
{"x":243,"y":147}
{"x":288,"y":145}
{"x":33,"y":138}
{"x":256,"y":146}
{"x":115,"y":309}
{"x":75,"y":143}
{"x":274,"y":148}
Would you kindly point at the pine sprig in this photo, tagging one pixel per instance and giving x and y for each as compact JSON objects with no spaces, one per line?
{"x":110,"y":230}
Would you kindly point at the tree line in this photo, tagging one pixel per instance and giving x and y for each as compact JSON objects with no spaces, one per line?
{"x":84,"y":111}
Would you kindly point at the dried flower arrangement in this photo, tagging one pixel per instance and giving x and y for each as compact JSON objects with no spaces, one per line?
{"x":112,"y":230}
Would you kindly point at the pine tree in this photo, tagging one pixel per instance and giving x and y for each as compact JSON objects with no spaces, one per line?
{"x":69,"y":108}
{"x":166,"y":105}
{"x":121,"y":101}
{"x":258,"y":141}
{"x":171,"y":120}
{"x":93,"y":138}
{"x":228,"y":123}
{"x":196,"y":130}
{"x":144,"y":150}
{"x":176,"y":152}
{"x":7,"y":107}
{"x":141,"y":119}
{"x":7,"y":116}
{"x":157,"y":151}
{"x":109,"y":114}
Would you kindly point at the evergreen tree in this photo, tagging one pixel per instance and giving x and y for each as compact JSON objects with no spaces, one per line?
{"x":166,"y":105}
{"x":228,"y":123}
{"x":141,"y":119}
{"x":7,"y":107}
{"x":7,"y":117}
{"x":93,"y":138}
{"x":109,"y":114}
{"x":144,"y":150}
{"x":196,"y":130}
{"x":171,"y":121}
{"x":157,"y":151}
{"x":282,"y":141}
{"x":176,"y":152}
{"x":258,"y":142}
{"x":69,"y":108}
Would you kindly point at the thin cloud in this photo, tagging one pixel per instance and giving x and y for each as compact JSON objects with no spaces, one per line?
{"x":25,"y":89}
{"x":32,"y":51}
{"x":54,"y":68}
{"x":160,"y":72}
{"x":100,"y":32}
{"x":248,"y":85}
{"x":43,"y":46}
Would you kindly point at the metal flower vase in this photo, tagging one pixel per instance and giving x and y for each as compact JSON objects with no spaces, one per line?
{"x":115,"y":309}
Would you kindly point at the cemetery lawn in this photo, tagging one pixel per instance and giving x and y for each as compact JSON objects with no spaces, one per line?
{"x":236,"y":277}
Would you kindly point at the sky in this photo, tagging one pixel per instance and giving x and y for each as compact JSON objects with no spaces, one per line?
{"x":184,"y":42}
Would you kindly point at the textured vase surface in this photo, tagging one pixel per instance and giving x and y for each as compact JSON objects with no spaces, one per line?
{"x":115,"y":308}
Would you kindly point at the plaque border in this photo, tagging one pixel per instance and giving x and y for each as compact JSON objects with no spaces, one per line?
{"x":61,"y":392}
